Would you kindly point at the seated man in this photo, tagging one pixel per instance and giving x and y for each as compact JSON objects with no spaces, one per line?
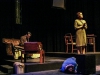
{"x":23,"y":39}
{"x":69,"y":66}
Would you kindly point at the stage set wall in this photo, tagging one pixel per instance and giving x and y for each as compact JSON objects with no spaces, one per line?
{"x":48,"y":24}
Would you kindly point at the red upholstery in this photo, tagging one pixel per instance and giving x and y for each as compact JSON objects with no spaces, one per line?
{"x":32,"y":46}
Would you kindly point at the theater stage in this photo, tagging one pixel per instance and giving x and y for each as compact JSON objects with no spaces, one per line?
{"x":53,"y":61}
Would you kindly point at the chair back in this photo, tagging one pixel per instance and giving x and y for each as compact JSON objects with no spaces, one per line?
{"x":32,"y":46}
{"x":68,"y":38}
{"x":90,"y":40}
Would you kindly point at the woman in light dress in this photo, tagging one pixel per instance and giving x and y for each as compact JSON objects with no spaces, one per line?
{"x":80,"y":26}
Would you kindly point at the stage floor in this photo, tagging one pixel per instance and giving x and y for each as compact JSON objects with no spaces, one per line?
{"x":36,"y":60}
{"x":73,"y":53}
{"x":55,"y":57}
{"x":53,"y":61}
{"x":51,"y":57}
{"x":48,"y":72}
{"x":53,"y":72}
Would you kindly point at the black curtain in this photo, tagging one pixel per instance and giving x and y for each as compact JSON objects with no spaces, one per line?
{"x":90,"y":9}
{"x":49,"y":24}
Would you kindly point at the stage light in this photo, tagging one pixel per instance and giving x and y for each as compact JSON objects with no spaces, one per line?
{"x":59,"y":3}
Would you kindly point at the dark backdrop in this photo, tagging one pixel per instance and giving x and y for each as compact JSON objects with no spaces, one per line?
{"x":48,"y":24}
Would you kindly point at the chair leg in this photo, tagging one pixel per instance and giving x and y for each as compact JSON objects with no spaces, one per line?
{"x":72,"y":48}
{"x":24,"y":57}
{"x":41,"y":60}
{"x":42,"y":56}
{"x":66,"y":48}
{"x":86,"y":49}
{"x":21,"y":57}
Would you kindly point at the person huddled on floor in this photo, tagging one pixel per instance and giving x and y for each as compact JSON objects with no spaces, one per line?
{"x":69,"y":66}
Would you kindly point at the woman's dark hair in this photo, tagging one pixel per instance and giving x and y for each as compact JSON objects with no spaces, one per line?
{"x":78,"y":13}
{"x":29,"y":33}
{"x":68,"y":71}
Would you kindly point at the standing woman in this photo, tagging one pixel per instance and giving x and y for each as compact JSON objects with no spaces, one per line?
{"x":80,"y":27}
